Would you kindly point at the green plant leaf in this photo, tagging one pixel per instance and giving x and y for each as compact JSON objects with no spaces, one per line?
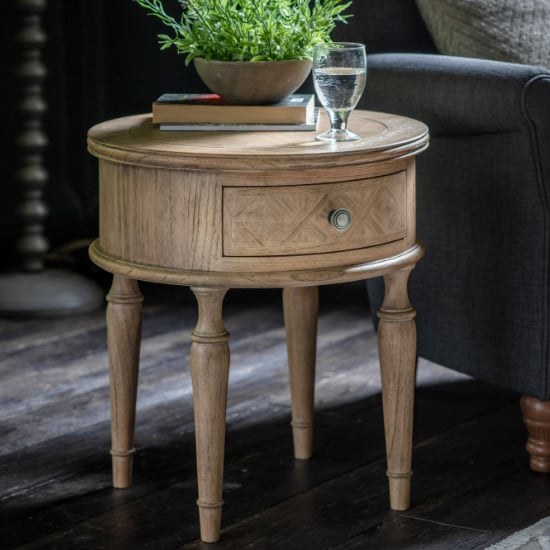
{"x":248,"y":30}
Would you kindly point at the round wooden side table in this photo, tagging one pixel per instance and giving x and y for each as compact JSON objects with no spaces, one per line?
{"x":220,"y":210}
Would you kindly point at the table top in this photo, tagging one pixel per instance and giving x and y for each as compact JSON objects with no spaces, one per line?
{"x":135,"y":140}
{"x":254,"y":208}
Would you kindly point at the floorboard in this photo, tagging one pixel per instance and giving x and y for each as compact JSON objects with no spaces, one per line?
{"x":471,"y":483}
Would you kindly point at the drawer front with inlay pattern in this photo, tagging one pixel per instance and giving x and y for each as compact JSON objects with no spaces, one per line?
{"x":314,"y":219}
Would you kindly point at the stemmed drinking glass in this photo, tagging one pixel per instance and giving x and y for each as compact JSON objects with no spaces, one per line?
{"x":339,"y":76}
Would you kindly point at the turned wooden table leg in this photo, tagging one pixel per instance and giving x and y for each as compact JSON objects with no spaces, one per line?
{"x":536,"y":416}
{"x":397,"y":348}
{"x":210,"y":373}
{"x":123,"y":341}
{"x":301,"y":306}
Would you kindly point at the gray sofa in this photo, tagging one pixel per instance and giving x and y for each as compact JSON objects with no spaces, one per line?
{"x":482,"y":292}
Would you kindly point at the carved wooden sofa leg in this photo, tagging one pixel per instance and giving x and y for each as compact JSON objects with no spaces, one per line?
{"x":536,"y":415}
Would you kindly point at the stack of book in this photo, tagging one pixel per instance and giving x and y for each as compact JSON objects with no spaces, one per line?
{"x":208,"y":112}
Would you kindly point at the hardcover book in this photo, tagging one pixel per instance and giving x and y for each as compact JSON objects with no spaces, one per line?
{"x":308,"y":126}
{"x":212,"y":109}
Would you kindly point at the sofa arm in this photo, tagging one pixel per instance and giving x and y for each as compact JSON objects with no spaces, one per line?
{"x":483,"y":212}
{"x":457,"y":95}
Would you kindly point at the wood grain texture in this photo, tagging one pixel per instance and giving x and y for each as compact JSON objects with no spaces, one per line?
{"x":140,"y":208}
{"x":257,"y":279}
{"x":471,"y":486}
{"x":536,"y":416}
{"x":214,"y":200}
{"x":295,"y":219}
{"x":123,"y":340}
{"x":301,"y":307}
{"x":172,"y":211}
{"x":397,"y":348}
{"x":134,"y":140}
{"x":210,"y":373}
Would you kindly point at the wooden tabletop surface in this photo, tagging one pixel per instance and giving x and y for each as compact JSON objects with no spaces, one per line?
{"x":134,"y":139}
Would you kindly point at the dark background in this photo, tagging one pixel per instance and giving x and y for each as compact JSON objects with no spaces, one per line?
{"x":103,"y":61}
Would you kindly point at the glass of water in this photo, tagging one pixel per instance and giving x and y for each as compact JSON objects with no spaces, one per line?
{"x":339,"y":77}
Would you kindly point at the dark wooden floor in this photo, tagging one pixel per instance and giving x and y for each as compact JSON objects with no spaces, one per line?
{"x":471,"y":485}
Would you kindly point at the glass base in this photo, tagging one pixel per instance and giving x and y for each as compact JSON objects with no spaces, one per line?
{"x":338,"y":135}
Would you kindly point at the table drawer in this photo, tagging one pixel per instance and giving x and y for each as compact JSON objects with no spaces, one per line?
{"x":292,"y":220}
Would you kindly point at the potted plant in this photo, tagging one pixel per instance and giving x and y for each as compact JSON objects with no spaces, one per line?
{"x":249,"y":51}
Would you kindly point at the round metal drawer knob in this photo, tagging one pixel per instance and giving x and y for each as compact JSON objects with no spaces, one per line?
{"x":340,"y":219}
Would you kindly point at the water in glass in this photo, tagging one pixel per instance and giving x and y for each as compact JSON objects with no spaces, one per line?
{"x":339,"y":76}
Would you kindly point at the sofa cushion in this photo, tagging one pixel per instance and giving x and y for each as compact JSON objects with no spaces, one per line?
{"x":516,"y":31}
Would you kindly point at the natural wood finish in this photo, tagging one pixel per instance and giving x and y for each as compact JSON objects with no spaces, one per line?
{"x":221,"y":210}
{"x":536,"y":416}
{"x":135,"y":141}
{"x":293,"y":220}
{"x":397,"y":348}
{"x":210,"y":371}
{"x":253,"y":279}
{"x":140,"y":206}
{"x":55,"y":483}
{"x":55,"y":433}
{"x":123,"y":339}
{"x":301,"y":306}
{"x":195,"y":218}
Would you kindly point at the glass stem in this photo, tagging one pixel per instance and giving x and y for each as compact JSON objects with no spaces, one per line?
{"x":339,"y":120}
